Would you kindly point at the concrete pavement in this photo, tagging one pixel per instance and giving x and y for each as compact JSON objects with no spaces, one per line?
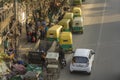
{"x":24,"y":46}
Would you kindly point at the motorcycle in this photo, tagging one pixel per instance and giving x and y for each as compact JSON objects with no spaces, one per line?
{"x":63,"y":63}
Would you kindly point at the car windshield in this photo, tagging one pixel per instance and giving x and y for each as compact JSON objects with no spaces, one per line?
{"x":80,"y":59}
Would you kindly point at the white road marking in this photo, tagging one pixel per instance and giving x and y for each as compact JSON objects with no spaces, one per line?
{"x":101,"y":27}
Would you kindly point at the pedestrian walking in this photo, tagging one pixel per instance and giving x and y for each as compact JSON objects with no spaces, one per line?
{"x":42,"y":32}
{"x":45,"y":28}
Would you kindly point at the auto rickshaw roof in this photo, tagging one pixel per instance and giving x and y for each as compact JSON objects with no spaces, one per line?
{"x":68,"y":15}
{"x":55,"y":27}
{"x":64,"y":21}
{"x":76,"y":9}
{"x":66,"y":34}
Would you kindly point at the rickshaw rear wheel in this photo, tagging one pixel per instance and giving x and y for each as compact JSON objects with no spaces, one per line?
{"x":81,"y":32}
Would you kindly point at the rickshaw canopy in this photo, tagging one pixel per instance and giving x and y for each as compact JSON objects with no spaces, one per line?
{"x":77,"y":25}
{"x":65,"y":23}
{"x":68,"y":15}
{"x":77,"y":21}
{"x":53,"y":32}
{"x":77,"y":11}
{"x":66,"y":38}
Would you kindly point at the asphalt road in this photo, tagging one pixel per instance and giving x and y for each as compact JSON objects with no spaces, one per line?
{"x":102,"y":34}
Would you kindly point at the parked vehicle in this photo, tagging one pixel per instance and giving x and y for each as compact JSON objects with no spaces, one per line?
{"x":82,"y":60}
{"x":52,"y":58}
{"x":54,"y":32}
{"x":34,"y":57}
{"x":77,"y":2}
{"x":66,"y":41}
{"x":77,"y":25}
{"x":53,"y":65}
{"x":69,"y":15}
{"x":65,"y":23}
{"x":77,"y":12}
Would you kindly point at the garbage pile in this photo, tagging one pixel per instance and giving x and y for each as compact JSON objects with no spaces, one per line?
{"x":18,"y":70}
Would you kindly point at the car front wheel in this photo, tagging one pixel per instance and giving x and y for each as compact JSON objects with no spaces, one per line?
{"x":70,"y":71}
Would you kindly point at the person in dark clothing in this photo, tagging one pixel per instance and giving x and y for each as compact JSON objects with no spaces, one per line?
{"x":62,"y":59}
{"x":61,"y":53}
{"x":42,"y":31}
{"x":43,"y":59}
{"x":10,"y":25}
{"x":61,"y":17}
{"x":34,"y":35}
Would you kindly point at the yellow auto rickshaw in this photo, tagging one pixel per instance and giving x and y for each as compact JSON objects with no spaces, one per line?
{"x":69,"y":15}
{"x":53,"y":33}
{"x":65,"y":23}
{"x":77,"y":12}
{"x":66,"y":41}
{"x":77,"y":25}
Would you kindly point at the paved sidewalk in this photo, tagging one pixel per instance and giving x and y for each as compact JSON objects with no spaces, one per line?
{"x":24,"y":46}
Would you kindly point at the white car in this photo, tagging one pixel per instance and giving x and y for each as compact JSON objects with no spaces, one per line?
{"x":82,"y":60}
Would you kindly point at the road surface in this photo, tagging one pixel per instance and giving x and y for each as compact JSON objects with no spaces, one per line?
{"x":102,"y":34}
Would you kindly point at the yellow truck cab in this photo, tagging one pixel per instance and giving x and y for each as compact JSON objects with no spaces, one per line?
{"x":54,"y":32}
{"x":66,"y":41}
{"x":65,"y":23}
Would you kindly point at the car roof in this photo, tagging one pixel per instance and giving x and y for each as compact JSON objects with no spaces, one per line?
{"x":82,"y":52}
